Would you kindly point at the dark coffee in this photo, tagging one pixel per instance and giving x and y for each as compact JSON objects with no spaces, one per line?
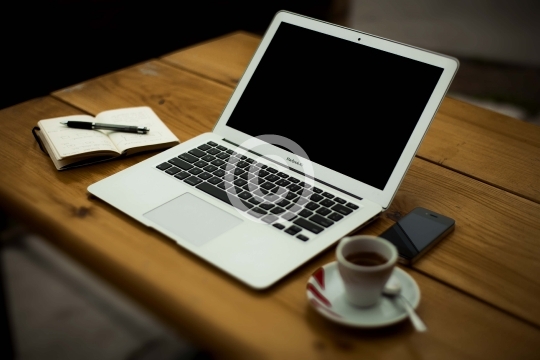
{"x":366,"y":258}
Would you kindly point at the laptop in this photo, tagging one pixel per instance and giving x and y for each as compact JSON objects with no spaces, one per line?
{"x":312,"y":145}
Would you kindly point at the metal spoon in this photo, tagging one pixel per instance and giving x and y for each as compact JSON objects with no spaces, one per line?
{"x":393,"y":289}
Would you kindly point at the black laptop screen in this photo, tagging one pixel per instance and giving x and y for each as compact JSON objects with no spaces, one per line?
{"x":352,"y":108}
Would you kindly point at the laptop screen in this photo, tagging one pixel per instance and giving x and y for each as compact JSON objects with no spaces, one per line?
{"x":352,"y":108}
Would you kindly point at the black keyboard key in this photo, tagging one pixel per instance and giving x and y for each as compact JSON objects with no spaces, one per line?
{"x":235,"y":190}
{"x":222,"y":148}
{"x":196,"y":152}
{"x":181,"y":164}
{"x":268,"y":185}
{"x":317,"y":190}
{"x":211,"y":143}
{"x":245,"y":195}
{"x":315,"y":197}
{"x":210,"y":168}
{"x":328,"y":195}
{"x":244,"y":176}
{"x":215,"y":180}
{"x":250,"y":161}
{"x":224,"y":185}
{"x":263,"y":173}
{"x":294,"y":187}
{"x":182,"y":175}
{"x":228,"y":177}
{"x":271,"y":197}
{"x":264,"y":166}
{"x":271,"y":178}
{"x":321,"y":220}
{"x":277,"y":210}
{"x":340,"y":200}
{"x":195,"y":171}
{"x":302,"y":237}
{"x":282,"y":182}
{"x":335,"y":217}
{"x":257,"y":212}
{"x":323,"y":211}
{"x":341,"y":209}
{"x":294,"y":208}
{"x":305,"y":213}
{"x":242,"y":164}
{"x":293,"y":230}
{"x":208,"y":158}
{"x":193,"y":180}
{"x":301,"y":201}
{"x":173,"y":170}
{"x":271,"y":170}
{"x":283,"y":175}
{"x":266,"y":206}
{"x":200,"y":163}
{"x":279,"y":226}
{"x":278,"y":190}
{"x":205,"y":176}
{"x":204,"y":147}
{"x":289,"y":216}
{"x":255,"y":200}
{"x":294,"y":180}
{"x":222,"y":156}
{"x":218,"y":162}
{"x":215,"y":192}
{"x":291,"y":196}
{"x":303,"y":184}
{"x":327,"y":203}
{"x":238,"y":172}
{"x":308,"y":225}
{"x":164,"y":166}
{"x":240,"y":182}
{"x":305,"y":193}
{"x":269,"y":218}
{"x":312,"y":206}
{"x":215,"y":151}
{"x":230,"y":152}
{"x":283,"y":203}
{"x":352,"y":206}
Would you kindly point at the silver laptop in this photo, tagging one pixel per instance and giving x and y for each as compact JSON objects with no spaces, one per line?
{"x":312,"y":145}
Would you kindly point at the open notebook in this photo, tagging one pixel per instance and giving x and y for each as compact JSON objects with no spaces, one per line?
{"x":312,"y":145}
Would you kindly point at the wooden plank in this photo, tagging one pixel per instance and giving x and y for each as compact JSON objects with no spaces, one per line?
{"x":497,"y":149}
{"x":506,"y":225}
{"x":205,"y":304}
{"x":223,"y":59}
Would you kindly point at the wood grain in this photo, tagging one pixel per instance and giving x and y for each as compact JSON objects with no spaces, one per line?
{"x":224,"y":59}
{"x":486,"y":242}
{"x":205,"y":304}
{"x":499,"y":150}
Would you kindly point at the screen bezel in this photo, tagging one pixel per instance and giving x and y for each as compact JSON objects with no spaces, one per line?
{"x":323,"y":173}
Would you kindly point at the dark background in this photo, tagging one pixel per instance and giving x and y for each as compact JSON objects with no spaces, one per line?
{"x":51,"y":44}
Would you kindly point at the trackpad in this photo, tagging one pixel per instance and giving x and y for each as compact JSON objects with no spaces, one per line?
{"x":193,"y":219}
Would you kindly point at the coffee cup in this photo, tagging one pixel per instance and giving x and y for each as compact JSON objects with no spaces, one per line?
{"x":365,"y":264}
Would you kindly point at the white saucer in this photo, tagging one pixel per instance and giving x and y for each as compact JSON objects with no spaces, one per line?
{"x":325,"y":292}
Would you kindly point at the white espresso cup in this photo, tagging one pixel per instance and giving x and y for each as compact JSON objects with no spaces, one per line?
{"x":365,"y":264}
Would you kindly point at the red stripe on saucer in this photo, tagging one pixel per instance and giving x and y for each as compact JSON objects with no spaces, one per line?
{"x":319,"y":277}
{"x":318,"y":295}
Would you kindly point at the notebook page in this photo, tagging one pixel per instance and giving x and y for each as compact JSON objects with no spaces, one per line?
{"x":68,"y":141}
{"x":137,"y":116}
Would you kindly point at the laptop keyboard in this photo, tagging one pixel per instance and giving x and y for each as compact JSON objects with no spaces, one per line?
{"x":278,"y":199}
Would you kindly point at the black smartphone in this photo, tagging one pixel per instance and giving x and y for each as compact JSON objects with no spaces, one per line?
{"x":417,"y":232}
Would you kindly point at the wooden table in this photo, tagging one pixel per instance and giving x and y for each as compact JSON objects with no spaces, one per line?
{"x":480,"y":287}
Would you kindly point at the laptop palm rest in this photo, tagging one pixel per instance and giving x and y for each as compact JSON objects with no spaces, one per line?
{"x":188,"y":217}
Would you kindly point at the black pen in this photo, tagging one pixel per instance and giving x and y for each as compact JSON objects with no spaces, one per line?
{"x":94,"y":126}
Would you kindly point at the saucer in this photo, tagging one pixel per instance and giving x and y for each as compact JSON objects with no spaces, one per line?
{"x":326,"y":294}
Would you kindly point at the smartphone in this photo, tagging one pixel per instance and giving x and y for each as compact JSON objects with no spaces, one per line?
{"x":417,"y":232}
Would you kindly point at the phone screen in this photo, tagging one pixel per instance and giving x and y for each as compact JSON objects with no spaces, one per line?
{"x":417,"y":231}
